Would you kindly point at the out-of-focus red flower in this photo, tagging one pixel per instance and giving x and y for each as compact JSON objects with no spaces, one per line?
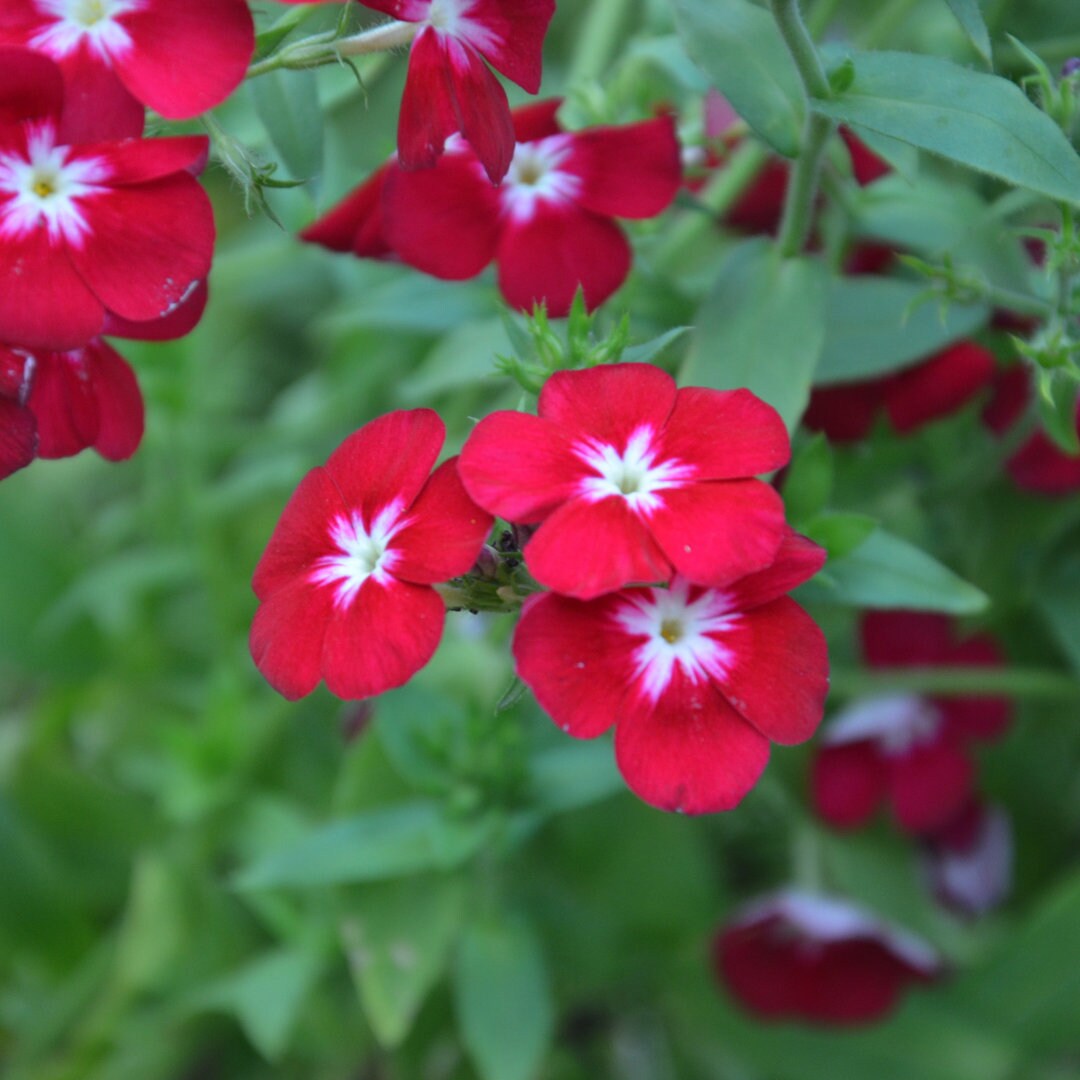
{"x":1039,"y":465}
{"x":549,"y":226}
{"x":697,"y":682}
{"x":911,"y":398}
{"x":802,"y":956}
{"x":905,"y":749}
{"x":632,"y":480}
{"x":18,"y":431}
{"x":345,"y":583}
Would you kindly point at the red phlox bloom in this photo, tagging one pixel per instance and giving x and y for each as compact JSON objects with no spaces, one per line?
{"x":907,"y":749}
{"x":18,"y":431}
{"x":632,"y":480}
{"x":696,"y":681}
{"x":90,"y":229}
{"x":345,"y":583}
{"x":968,"y":864}
{"x":911,"y":398}
{"x":549,"y":226}
{"x":801,"y":956}
{"x":1039,"y":466}
{"x":118,"y":56}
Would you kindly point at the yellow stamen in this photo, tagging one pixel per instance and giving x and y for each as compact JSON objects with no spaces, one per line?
{"x":43,"y":189}
{"x":671,"y":630}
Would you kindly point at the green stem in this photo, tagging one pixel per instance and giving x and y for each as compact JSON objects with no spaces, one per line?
{"x":598,"y":39}
{"x":1056,"y":50}
{"x":1036,"y":683}
{"x":801,"y":46}
{"x":320,"y":49}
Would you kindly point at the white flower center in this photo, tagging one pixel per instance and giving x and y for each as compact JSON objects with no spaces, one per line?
{"x":896,"y":722}
{"x":635,"y":474}
{"x":77,"y":21}
{"x":45,"y":186}
{"x":457,"y":19}
{"x":535,"y":176}
{"x":362,"y":552}
{"x":677,"y":632}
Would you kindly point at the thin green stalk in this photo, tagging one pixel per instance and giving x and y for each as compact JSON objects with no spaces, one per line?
{"x":321,"y":49}
{"x":1033,"y":683}
{"x":801,"y":46}
{"x":598,"y":38}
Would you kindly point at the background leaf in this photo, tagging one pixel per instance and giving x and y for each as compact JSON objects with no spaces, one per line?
{"x":971,"y":22}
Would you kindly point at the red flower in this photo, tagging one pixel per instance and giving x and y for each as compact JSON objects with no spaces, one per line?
{"x":802,"y":956}
{"x":927,"y":391}
{"x":697,"y":681}
{"x":549,"y":226}
{"x":1039,"y":466}
{"x":180,"y":59}
{"x":969,"y":862}
{"x":18,"y":432}
{"x":633,"y":480}
{"x":345,"y":581}
{"x":89,"y":229}
{"x":907,"y":749}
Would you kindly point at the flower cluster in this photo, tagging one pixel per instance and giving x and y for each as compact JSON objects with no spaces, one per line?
{"x":103,"y":233}
{"x":549,"y":225}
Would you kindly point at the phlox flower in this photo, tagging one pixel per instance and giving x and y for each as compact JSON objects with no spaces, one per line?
{"x":18,"y":430}
{"x":549,"y":226}
{"x":797,"y":955}
{"x":632,"y":480}
{"x":696,"y":681}
{"x":89,"y":229}
{"x":118,"y":56}
{"x":345,"y":583}
{"x":907,"y":749}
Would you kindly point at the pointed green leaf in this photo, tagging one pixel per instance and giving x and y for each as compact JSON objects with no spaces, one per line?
{"x":288,"y":106}
{"x":971,"y":22}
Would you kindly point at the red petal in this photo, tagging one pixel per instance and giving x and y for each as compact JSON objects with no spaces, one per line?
{"x":576,"y":664}
{"x":136,"y":161}
{"x":406,"y":10}
{"x":1039,"y":466}
{"x":513,"y":37}
{"x":633,"y":171}
{"x":938,"y":386}
{"x":929,"y":785}
{"x":759,"y":208}
{"x":778,"y":675}
{"x":447,"y":532}
{"x":845,"y":413}
{"x":96,"y":103}
{"x":866,"y":165}
{"x":976,"y":717}
{"x":356,"y":224}
{"x":43,"y":301}
{"x":118,"y":400}
{"x":301,"y":535}
{"x":586,"y":549}
{"x":388,"y":460}
{"x":428,"y":115}
{"x":853,"y":982}
{"x":147,"y":245}
{"x":725,"y":434}
{"x":691,"y":752}
{"x":536,"y":121}
{"x":178,"y":323}
{"x":287,"y":637}
{"x":905,"y":638}
{"x":383,"y":638}
{"x":188,"y":57}
{"x":31,"y":86}
{"x":62,"y":400}
{"x":442,"y":220}
{"x":519,"y":466}
{"x":798,"y":560}
{"x":1011,"y":393}
{"x":549,"y":255}
{"x":847,"y":783}
{"x":718,"y":531}
{"x":18,"y":437}
{"x":609,"y":402}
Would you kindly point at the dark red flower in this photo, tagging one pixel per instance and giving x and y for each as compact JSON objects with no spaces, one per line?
{"x":345,"y":583}
{"x":89,"y":229}
{"x":696,"y":681}
{"x":926,"y":391}
{"x":632,"y":480}
{"x":802,"y":956}
{"x":18,"y":431}
{"x":549,"y":226}
{"x":118,"y":56}
{"x":906,"y":749}
{"x":1039,"y":465}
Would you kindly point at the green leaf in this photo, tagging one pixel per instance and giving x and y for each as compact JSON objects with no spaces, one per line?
{"x":385,"y":843}
{"x":739,"y":47}
{"x":288,"y":106}
{"x":877,"y":325}
{"x":503,"y":998}
{"x":648,"y":351}
{"x":573,"y":775}
{"x":397,"y":937}
{"x":887,"y":572}
{"x":809,"y":482}
{"x":1058,"y":392}
{"x":762,"y":327}
{"x":418,"y":730}
{"x":971,"y":22}
{"x":1058,"y":600}
{"x":981,"y":121}
{"x":267,"y":995}
{"x":840,"y":533}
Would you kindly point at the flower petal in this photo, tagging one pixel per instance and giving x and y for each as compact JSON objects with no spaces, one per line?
{"x":691,"y":751}
{"x":119,"y":402}
{"x":356,"y":224}
{"x":287,"y":635}
{"x":31,"y":86}
{"x":905,"y":638}
{"x":136,"y":161}
{"x":938,"y":386}
{"x":447,"y":531}
{"x":566,"y":653}
{"x":976,"y":717}
{"x":847,"y":783}
{"x":929,"y":785}
{"x":177,"y":324}
{"x":97,"y":105}
{"x":382,"y":638}
{"x":62,"y":401}
{"x":798,"y":560}
{"x":18,"y":437}
{"x":510,"y":35}
{"x":536,"y":121}
{"x":846,"y":412}
{"x":778,"y":673}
